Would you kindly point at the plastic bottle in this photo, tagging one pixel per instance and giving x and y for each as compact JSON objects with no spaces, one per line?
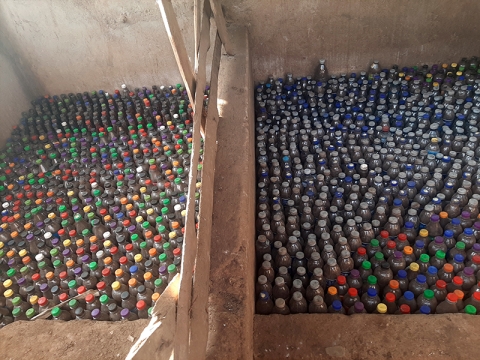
{"x":448,"y":306}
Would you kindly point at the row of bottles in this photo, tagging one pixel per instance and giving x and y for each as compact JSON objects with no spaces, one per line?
{"x":368,"y":190}
{"x":93,"y":189}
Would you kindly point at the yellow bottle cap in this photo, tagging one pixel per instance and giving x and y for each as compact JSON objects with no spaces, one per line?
{"x":87,"y":208}
{"x":150,"y":211}
{"x":8,"y":293}
{"x":67,"y":242}
{"x":423,"y":233}
{"x":52,"y":216}
{"x":139,"y":219}
{"x":138,"y":258}
{"x":1,"y":244}
{"x":33,"y":299}
{"x":143,"y":190}
{"x":7,"y":283}
{"x":22,"y":252}
{"x":434,"y":140}
{"x":116,"y":285}
{"x":3,"y":226}
{"x":107,"y":243}
{"x":70,"y":193}
{"x":382,"y":308}
{"x":47,"y":146}
{"x":184,"y":212}
{"x":414,"y":266}
{"x":454,"y":65}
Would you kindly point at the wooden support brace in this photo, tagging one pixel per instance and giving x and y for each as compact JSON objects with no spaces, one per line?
{"x":178,"y":46}
{"x":199,"y":318}
{"x":182,"y":336}
{"x":221,"y":25}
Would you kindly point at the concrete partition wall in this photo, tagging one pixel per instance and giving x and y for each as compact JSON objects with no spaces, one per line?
{"x":291,"y":35}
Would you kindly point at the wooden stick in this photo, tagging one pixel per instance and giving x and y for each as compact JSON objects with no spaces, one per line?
{"x":182,"y":334}
{"x":197,"y":21}
{"x":199,"y":317}
{"x":178,"y":46}
{"x":221,"y":25}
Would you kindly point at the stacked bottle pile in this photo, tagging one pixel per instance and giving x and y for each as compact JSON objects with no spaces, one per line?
{"x":94,"y":189}
{"x":368,"y":190}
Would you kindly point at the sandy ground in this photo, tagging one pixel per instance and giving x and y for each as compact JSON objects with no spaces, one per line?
{"x":82,"y":340}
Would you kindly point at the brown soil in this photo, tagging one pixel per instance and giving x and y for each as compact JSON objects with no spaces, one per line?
{"x":82,"y":340}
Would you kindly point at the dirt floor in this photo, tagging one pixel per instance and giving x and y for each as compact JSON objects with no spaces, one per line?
{"x":328,"y":336}
{"x":82,"y":340}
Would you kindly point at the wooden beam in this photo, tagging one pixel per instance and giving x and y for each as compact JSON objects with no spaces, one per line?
{"x":197,"y":21}
{"x":178,"y":46}
{"x":221,"y":25}
{"x":182,"y":334}
{"x":199,"y":317}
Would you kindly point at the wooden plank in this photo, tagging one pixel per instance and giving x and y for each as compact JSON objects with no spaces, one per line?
{"x":197,"y":21}
{"x":156,"y":340}
{"x":178,"y":46}
{"x":221,"y":25}
{"x":182,"y":334}
{"x":199,"y":318}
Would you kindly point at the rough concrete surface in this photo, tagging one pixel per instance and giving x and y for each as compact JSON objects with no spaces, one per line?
{"x":73,"y":340}
{"x":232,"y":259}
{"x":356,"y":337}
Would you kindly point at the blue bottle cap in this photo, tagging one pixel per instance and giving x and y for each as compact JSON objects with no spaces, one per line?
{"x":468,"y":231}
{"x":456,"y":221}
{"x":337,"y":305}
{"x":372,"y":292}
{"x":419,"y":244}
{"x":411,"y":184}
{"x":409,"y":225}
{"x":397,"y":202}
{"x":133,"y":269}
{"x":448,"y":233}
{"x":402,"y":274}
{"x":459,"y":258}
{"x":421,"y":279}
{"x":425,"y":309}
{"x":408,"y":295}
{"x":432,"y":270}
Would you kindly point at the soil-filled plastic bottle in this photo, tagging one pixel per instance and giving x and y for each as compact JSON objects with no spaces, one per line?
{"x":449,"y":305}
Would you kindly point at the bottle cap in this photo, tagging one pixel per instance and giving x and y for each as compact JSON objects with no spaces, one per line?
{"x":372,"y":292}
{"x":425,"y":309}
{"x":405,"y":309}
{"x":414,"y":266}
{"x":382,"y":308}
{"x":460,"y":294}
{"x":116,"y":284}
{"x":56,"y":312}
{"x":428,"y":294}
{"x":372,"y":279}
{"x":470,"y":309}
{"x":452,"y":297}
{"x":332,"y":290}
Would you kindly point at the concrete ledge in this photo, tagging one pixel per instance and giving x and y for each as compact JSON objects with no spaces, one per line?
{"x":402,"y":337}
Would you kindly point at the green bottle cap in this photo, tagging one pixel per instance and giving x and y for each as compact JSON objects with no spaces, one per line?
{"x":159,"y":219}
{"x":54,"y":252}
{"x":158,"y":282}
{"x":57,"y":263}
{"x":143,"y":245}
{"x":85,"y":232}
{"x":162,"y":257}
{"x":171,"y":268}
{"x":177,"y":181}
{"x":151,"y":162}
{"x":77,"y":217}
{"x":164,"y":211}
{"x":24,"y":270}
{"x":30,"y":313}
{"x":424,"y":258}
{"x":460,"y":245}
{"x":163,"y":194}
{"x":150,"y":309}
{"x":440,"y":254}
{"x":134,"y":237}
{"x":72,"y":284}
{"x":141,"y":205}
{"x":75,"y":202}
{"x":90,"y":215}
{"x":16,"y":312}
{"x":62,"y":208}
{"x":42,"y":265}
{"x":56,"y":311}
{"x":162,"y":229}
{"x":366,"y":265}
{"x":166,"y":202}
{"x":97,"y":193}
{"x":428,"y":294}
{"x":145,"y":225}
{"x":72,"y":303}
{"x":104,"y":299}
{"x":470,"y":309}
{"x":372,"y":280}
{"x":16,"y":301}
{"x":379,"y":255}
{"x":93,"y":265}
{"x":11,"y":272}
{"x":166,"y":246}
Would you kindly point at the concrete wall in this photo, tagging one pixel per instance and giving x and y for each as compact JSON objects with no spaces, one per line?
{"x":291,"y":35}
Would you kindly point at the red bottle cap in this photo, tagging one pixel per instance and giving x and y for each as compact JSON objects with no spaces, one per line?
{"x":101,"y":285}
{"x":141,"y":305}
{"x":42,"y":301}
{"x":340,"y":279}
{"x":405,"y":309}
{"x":123,"y":260}
{"x":113,"y":250}
{"x":157,"y":238}
{"x":361,"y":251}
{"x":391,"y":244}
{"x":402,"y":237}
{"x":352,"y":292}
{"x":72,"y":233}
{"x":384,"y":234}
{"x":390,"y":297}
{"x":440,"y":284}
{"x":106,"y":272}
{"x":457,"y":280}
{"x":452,"y":297}
{"x":63,"y":275}
{"x":178,"y":251}
{"x":63,"y":297}
{"x":81,"y":289}
{"x":89,"y":298}
{"x":80,"y":252}
{"x":476,"y":259}
{"x":93,"y":248}
{"x":36,"y":277}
